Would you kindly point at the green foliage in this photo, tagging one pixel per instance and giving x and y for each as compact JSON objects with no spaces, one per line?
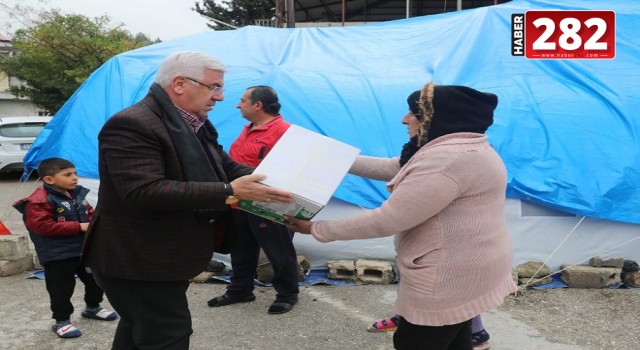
{"x":55,"y":56}
{"x":238,"y":13}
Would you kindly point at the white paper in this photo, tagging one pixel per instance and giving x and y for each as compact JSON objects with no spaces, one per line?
{"x":307,"y":164}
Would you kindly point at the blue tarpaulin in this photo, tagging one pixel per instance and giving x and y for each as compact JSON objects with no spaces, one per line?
{"x":568,"y":130}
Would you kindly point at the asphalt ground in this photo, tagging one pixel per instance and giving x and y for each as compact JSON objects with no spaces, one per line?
{"x":327,"y":317}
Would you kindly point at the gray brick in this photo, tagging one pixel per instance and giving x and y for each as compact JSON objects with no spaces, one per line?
{"x":535,"y":269}
{"x":13,"y":246}
{"x":375,"y":271}
{"x":203,"y":277}
{"x":598,"y":262}
{"x":265,"y":273}
{"x":342,"y":270}
{"x":590,"y":277}
{"x":16,"y":266}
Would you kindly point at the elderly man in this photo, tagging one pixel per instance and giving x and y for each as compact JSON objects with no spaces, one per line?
{"x":164,"y":182}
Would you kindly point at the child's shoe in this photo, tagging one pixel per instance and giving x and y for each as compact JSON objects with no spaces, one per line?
{"x":480,"y":340}
{"x":64,"y":329}
{"x":99,"y":313}
{"x":384,"y":325}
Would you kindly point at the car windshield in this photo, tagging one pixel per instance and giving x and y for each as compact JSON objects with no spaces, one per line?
{"x":21,"y":130}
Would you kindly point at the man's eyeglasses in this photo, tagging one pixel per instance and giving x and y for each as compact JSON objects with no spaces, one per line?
{"x":213,"y":89}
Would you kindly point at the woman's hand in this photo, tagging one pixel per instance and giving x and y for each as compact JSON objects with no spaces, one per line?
{"x":297,"y":225}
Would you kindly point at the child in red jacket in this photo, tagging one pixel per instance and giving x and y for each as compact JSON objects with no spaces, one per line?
{"x":57,"y":215}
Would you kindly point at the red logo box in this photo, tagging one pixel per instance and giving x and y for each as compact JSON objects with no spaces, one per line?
{"x":570,"y":34}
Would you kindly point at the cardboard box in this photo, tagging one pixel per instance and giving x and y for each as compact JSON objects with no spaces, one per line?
{"x":307,"y":164}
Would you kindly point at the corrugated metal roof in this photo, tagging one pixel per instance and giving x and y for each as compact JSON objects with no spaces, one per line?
{"x":377,"y":10}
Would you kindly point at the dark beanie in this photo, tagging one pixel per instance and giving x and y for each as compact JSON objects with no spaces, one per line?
{"x":413,"y":101}
{"x":456,"y":109}
{"x":460,"y":109}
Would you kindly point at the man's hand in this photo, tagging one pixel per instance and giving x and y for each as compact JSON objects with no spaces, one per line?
{"x":297,"y":225}
{"x":247,"y":187}
{"x":84,"y":226}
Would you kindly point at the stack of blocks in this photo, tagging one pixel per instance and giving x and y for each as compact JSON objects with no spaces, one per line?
{"x":362,"y":270}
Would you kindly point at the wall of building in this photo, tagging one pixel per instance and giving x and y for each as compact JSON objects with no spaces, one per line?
{"x":10,"y":104}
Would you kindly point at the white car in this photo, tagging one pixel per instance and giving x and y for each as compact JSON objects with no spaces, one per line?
{"x":16,"y":137}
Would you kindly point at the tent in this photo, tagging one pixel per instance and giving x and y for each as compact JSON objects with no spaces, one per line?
{"x":567,"y":130}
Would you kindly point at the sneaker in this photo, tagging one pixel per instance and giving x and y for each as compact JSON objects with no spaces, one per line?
{"x":385,"y":324}
{"x":480,"y":340}
{"x":64,"y":329}
{"x":99,"y":313}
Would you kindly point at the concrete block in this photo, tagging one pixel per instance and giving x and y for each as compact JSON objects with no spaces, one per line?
{"x":303,"y":267}
{"x":217,"y":267}
{"x":597,"y":262}
{"x":304,"y":264}
{"x":203,"y":277}
{"x":590,"y":277}
{"x":36,"y":263}
{"x":265,"y":273}
{"x":374,"y":271}
{"x":534,"y":282}
{"x":342,"y":270}
{"x":16,"y":266}
{"x":13,"y":246}
{"x":534,"y":269}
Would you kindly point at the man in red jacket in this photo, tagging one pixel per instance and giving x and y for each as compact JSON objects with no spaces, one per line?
{"x":260,"y":106}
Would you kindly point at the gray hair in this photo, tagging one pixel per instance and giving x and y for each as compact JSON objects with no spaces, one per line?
{"x":186,"y":63}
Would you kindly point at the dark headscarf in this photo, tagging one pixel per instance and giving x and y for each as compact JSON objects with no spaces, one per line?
{"x":452,"y":109}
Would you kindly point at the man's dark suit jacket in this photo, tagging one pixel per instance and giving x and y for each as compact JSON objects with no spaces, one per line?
{"x":145,"y":226}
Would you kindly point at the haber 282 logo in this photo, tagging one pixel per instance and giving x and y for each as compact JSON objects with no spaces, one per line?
{"x":564,"y":34}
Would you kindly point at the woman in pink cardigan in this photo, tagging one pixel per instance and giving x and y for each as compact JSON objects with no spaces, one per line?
{"x":446,"y":209}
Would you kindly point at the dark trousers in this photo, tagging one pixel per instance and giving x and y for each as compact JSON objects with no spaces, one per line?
{"x":60,"y":279}
{"x":277,"y":242}
{"x":413,"y":337}
{"x":153,"y":314}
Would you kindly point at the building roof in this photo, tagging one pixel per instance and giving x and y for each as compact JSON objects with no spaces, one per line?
{"x":377,"y":10}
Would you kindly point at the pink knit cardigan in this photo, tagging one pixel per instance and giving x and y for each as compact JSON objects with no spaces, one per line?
{"x":446,"y":210}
